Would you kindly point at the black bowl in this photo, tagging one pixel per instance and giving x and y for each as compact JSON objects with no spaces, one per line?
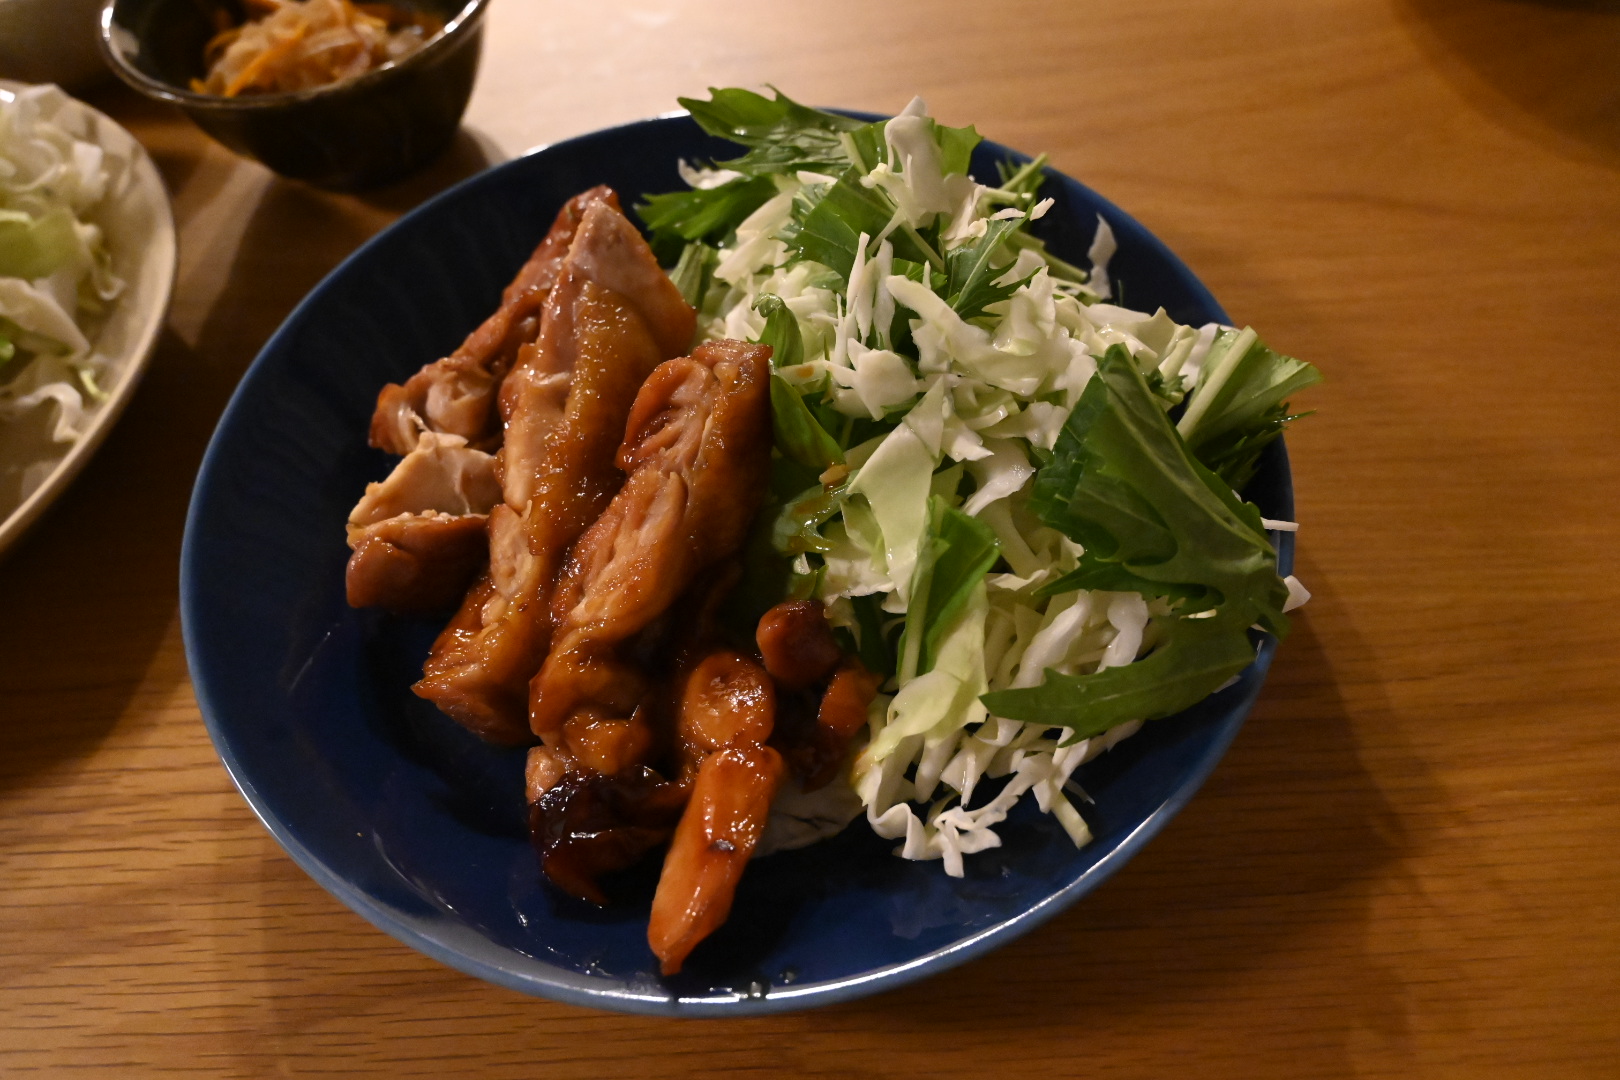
{"x":353,"y":134}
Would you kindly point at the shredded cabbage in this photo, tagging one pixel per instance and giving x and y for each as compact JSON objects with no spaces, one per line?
{"x":943,"y":350}
{"x":56,"y":275}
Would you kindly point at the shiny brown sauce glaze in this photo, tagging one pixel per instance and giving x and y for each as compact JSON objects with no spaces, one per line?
{"x":457,"y":394}
{"x":611,"y":317}
{"x":589,"y":825}
{"x":621,"y":494}
{"x":797,"y":644}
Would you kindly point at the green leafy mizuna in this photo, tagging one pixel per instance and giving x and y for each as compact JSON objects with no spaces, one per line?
{"x":707,"y":214}
{"x":1195,"y":659}
{"x":956,"y":553}
{"x":830,"y":231}
{"x":781,"y":135}
{"x":971,"y":277}
{"x":694,"y":271}
{"x":799,"y":435}
{"x":1240,"y":404}
{"x":1152,"y":520}
{"x":781,"y":331}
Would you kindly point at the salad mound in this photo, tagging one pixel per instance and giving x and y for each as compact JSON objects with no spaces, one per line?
{"x":1016,"y":499}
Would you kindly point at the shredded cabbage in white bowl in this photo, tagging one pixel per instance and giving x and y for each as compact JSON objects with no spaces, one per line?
{"x":87,"y":260}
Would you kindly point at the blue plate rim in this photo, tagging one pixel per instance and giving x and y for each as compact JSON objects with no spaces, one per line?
{"x":580,"y":990}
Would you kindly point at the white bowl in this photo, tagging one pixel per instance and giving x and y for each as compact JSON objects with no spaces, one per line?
{"x":51,"y":41}
{"x":139,"y":230}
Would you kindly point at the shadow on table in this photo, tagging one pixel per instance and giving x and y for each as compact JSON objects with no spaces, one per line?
{"x":89,"y":594}
{"x":108,"y":553}
{"x":298,"y":234}
{"x":470,"y":153}
{"x":1547,"y":68}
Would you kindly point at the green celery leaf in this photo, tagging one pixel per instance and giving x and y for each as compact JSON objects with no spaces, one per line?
{"x":956,"y":552}
{"x":1239,"y":405}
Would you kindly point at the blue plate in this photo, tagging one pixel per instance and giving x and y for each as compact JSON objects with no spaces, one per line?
{"x":417,"y":825}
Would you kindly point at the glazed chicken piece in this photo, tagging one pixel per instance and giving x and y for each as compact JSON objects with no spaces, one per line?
{"x":585,"y":824}
{"x":797,"y":644}
{"x":595,"y":804}
{"x":456,"y":395}
{"x":800,"y":652}
{"x":697,"y":451}
{"x":419,"y":536}
{"x":611,"y":289}
{"x":727,"y":710}
{"x":841,"y":714}
{"x":696,"y":448}
{"x":564,"y":405}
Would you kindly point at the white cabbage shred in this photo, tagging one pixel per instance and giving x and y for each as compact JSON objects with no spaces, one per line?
{"x":56,"y":276}
{"x":984,"y":397}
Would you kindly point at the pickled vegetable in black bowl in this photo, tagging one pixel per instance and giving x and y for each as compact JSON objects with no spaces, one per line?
{"x":356,"y":133}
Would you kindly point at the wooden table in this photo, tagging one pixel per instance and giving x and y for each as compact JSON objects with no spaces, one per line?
{"x":1406,"y":866}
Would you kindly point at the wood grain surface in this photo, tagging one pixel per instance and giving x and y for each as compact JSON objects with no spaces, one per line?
{"x":1406,"y":866}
